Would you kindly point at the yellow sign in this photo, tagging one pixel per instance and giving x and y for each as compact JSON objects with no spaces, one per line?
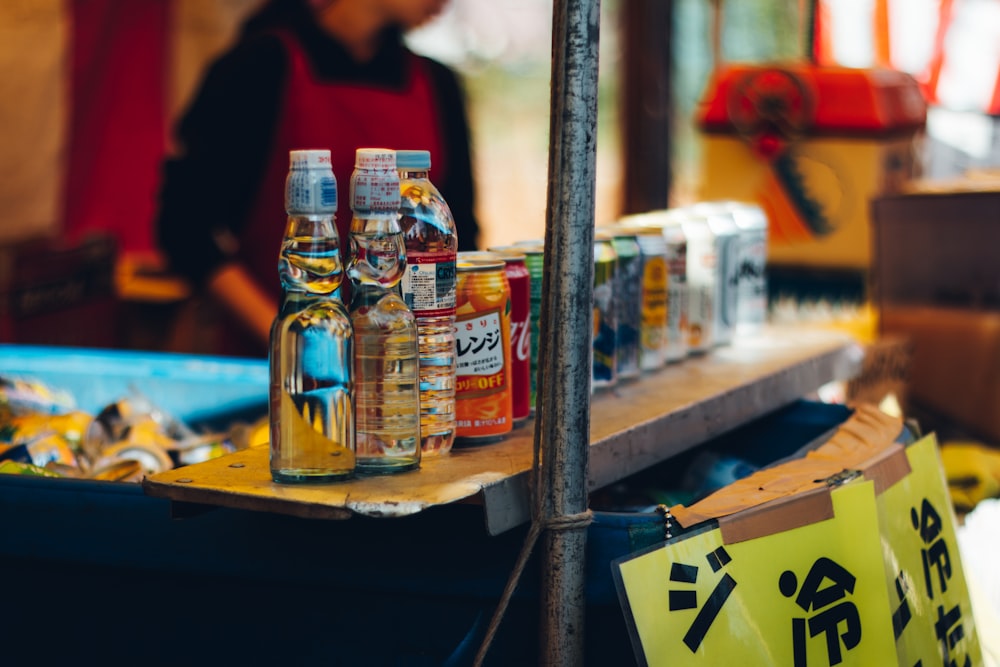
{"x":807,"y":597}
{"x":928,"y":595}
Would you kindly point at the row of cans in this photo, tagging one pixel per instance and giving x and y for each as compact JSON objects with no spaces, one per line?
{"x":684,"y":281}
{"x":667,"y":284}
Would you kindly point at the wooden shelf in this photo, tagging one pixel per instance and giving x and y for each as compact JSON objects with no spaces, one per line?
{"x":634,"y":426}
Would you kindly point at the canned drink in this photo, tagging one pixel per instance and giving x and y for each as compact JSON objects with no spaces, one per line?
{"x":654,"y":286}
{"x":483,"y":392}
{"x":605,"y":325}
{"x":628,"y":299}
{"x":667,"y":222}
{"x":700,"y":279}
{"x":519,"y":280}
{"x":725,"y":302}
{"x":534,"y":260}
{"x":751,"y":276}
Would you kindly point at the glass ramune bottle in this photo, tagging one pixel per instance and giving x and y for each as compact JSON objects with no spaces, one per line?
{"x":428,"y":287}
{"x":311,"y":352}
{"x":385,"y":330}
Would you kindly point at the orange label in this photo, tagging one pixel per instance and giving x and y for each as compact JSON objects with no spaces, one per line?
{"x":483,"y":398}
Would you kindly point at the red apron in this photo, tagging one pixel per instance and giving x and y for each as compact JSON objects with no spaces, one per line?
{"x":342,"y":117}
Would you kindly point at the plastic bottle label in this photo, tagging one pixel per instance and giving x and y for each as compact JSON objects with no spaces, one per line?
{"x":376,"y":192}
{"x":429,"y":284}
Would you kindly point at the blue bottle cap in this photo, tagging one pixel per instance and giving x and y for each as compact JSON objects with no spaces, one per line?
{"x":420,"y":160}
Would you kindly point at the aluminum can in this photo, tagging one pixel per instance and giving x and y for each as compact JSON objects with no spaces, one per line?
{"x":534,"y":259}
{"x":654,"y":286}
{"x":668,"y":224}
{"x":628,"y":300}
{"x":483,"y":387}
{"x":605,"y":323}
{"x":720,"y":220}
{"x":751,"y":275}
{"x":701,"y":277}
{"x":519,"y":280}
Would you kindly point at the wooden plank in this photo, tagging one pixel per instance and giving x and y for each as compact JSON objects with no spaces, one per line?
{"x":633,"y":426}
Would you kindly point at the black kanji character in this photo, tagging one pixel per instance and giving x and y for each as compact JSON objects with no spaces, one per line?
{"x":928,"y":524}
{"x":813,"y":597}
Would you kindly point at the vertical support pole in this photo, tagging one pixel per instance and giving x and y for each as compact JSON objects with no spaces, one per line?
{"x":562,"y":427}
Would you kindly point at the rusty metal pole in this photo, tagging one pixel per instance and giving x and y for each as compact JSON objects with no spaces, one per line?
{"x":563,"y":414}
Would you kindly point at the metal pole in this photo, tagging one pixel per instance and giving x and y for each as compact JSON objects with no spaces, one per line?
{"x":563,"y":416}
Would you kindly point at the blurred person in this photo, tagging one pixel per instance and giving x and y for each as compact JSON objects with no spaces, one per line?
{"x":330,"y":74}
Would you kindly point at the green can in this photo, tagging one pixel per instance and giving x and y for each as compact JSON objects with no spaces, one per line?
{"x":628,"y":300}
{"x":605,"y":326}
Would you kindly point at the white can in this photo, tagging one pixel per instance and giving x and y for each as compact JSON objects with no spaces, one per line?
{"x":751,"y":274}
{"x":701,"y":264}
{"x":719,"y":218}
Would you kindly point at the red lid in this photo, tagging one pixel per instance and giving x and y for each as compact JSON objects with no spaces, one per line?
{"x":795,"y":99}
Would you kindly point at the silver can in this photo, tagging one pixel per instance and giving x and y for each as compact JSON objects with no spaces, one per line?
{"x":751,"y":273}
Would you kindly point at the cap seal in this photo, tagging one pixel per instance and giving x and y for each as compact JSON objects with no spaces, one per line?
{"x":382,"y":159}
{"x":313,"y":158}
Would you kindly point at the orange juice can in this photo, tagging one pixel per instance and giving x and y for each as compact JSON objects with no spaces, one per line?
{"x":484,"y":397}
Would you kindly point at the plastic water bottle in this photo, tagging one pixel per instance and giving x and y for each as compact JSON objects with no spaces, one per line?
{"x":385,"y":330}
{"x":311,"y":354}
{"x":428,"y":288}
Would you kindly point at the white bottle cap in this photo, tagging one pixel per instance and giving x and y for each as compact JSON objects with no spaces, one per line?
{"x":313,"y":158}
{"x":375,"y":158}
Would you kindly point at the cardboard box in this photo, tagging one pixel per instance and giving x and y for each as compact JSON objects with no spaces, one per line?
{"x":954,"y":364}
{"x":936,"y":282}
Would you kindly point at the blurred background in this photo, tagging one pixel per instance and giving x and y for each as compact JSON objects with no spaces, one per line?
{"x":82,"y":77}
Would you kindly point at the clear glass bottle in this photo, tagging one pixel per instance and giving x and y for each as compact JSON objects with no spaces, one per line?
{"x":311,"y":355}
{"x":428,"y":287}
{"x":385,"y":330}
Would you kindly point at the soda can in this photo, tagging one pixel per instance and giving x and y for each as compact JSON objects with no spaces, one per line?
{"x":751,"y":275}
{"x":726,"y":234}
{"x":605,"y":323}
{"x":483,"y":387}
{"x":654,"y":285}
{"x":534,"y":260}
{"x":519,"y":280}
{"x":628,"y":299}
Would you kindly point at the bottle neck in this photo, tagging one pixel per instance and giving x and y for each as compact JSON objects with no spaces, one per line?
{"x":377,"y":250}
{"x":414,"y":174}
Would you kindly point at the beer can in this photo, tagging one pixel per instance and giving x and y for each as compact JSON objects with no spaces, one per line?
{"x":701,"y":278}
{"x":605,"y":323}
{"x":483,"y":391}
{"x":667,"y":224}
{"x":751,"y":275}
{"x":720,"y":220}
{"x":628,"y":299}
{"x":519,"y":280}
{"x":654,"y":285}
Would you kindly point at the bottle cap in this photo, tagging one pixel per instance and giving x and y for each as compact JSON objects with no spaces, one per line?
{"x":375,"y":158}
{"x":313,"y":158}
{"x":418,"y":160}
{"x":310,"y":186}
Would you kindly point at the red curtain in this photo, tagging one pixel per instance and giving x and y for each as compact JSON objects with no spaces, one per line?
{"x":117,"y":136}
